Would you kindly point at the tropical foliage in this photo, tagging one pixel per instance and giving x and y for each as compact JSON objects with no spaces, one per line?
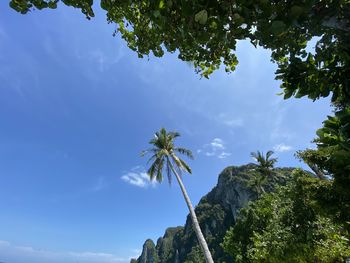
{"x":265,"y":162}
{"x":332,"y":158}
{"x":206,"y":33}
{"x":164,"y":158}
{"x":289,"y":226}
{"x":264,"y":171}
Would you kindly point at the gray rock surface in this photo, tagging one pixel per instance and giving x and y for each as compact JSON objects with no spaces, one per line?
{"x":216,"y":213}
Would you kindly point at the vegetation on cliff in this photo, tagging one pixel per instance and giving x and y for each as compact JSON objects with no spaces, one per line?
{"x":217,"y":212}
{"x":289,"y":225}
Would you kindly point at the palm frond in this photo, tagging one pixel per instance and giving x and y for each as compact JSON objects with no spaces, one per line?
{"x":176,"y":160}
{"x":159,"y":177}
{"x":153,"y":168}
{"x":265,"y":162}
{"x":164,"y":158}
{"x":255,"y":155}
{"x":269,"y":154}
{"x":184,"y":151}
{"x":178,"y":170}
{"x":150,"y":150}
{"x":154,"y":156}
{"x":168,"y":170}
{"x":185,"y":166}
{"x":173,"y":134}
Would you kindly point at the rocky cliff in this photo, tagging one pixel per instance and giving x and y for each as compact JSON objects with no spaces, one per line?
{"x":216,"y":213}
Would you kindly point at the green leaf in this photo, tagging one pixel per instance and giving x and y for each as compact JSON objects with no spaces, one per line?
{"x":201,"y":17}
{"x":161,"y":4}
{"x":296,"y":11}
{"x":156,"y":13}
{"x":277,"y":27}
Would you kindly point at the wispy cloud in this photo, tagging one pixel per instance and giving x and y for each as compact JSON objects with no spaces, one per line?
{"x":223,"y":155}
{"x":100,"y":184}
{"x":282,"y":147}
{"x":278,"y":128}
{"x":215,"y":148}
{"x":17,"y":254}
{"x":229,"y":120}
{"x":137,"y":176}
{"x":100,"y":58}
{"x":3,"y":34}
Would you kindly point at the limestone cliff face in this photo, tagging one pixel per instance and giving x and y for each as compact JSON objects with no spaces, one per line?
{"x":216,"y":213}
{"x":149,"y":253}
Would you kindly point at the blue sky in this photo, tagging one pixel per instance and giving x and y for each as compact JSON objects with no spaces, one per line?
{"x":76,"y":109}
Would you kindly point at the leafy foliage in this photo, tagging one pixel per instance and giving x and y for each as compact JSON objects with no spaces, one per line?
{"x":289,"y":226}
{"x":164,"y":156}
{"x":265,"y":162}
{"x":257,"y":182}
{"x":206,"y":33}
{"x":166,"y":245}
{"x":195,"y":256}
{"x":264,"y":171}
{"x":332,"y":157}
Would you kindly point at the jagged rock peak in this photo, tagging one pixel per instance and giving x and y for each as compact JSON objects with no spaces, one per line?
{"x":149,"y":253}
{"x":216,"y":213}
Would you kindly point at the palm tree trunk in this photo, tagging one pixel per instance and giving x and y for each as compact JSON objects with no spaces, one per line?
{"x":196,"y":227}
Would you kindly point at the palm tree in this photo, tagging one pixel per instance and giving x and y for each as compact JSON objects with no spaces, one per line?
{"x":265,"y":162}
{"x":164,"y":158}
{"x":264,"y":171}
{"x":257,"y":182}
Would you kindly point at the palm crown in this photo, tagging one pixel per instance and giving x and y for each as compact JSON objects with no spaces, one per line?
{"x":265,"y":162}
{"x":164,"y":156}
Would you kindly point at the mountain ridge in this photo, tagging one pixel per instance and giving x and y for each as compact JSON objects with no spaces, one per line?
{"x":216,"y":212}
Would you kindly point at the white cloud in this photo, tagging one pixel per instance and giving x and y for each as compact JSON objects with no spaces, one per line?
{"x":282,"y":147}
{"x":217,"y":143}
{"x":17,"y":254}
{"x":138,"y":177}
{"x":215,"y":148}
{"x":223,"y":155}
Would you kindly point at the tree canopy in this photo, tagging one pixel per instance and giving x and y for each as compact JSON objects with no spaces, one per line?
{"x":206,"y":33}
{"x":289,"y":226}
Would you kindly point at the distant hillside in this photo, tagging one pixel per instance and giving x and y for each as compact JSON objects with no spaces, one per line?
{"x":216,"y":213}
